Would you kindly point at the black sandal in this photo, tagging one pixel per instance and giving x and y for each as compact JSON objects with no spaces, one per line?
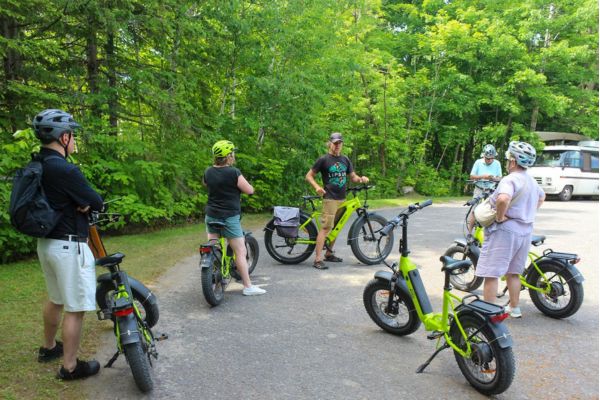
{"x":320,"y":265}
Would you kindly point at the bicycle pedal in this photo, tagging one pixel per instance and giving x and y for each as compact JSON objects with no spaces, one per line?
{"x":435,"y":335}
{"x":104,"y":315}
{"x":162,"y":337}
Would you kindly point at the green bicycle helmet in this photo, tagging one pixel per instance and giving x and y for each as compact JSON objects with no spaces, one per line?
{"x":223,"y":148}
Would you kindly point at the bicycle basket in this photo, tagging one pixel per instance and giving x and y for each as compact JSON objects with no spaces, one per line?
{"x":286,"y":221}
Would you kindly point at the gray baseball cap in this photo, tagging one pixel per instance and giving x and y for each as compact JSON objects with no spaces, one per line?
{"x":336,"y":137}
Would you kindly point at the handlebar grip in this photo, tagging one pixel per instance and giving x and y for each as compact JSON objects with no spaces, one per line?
{"x":426,"y":203}
{"x":387,"y":229}
{"x":389,"y":226}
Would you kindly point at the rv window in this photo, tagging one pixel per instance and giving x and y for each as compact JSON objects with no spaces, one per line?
{"x":591,"y":162}
{"x":559,"y":158}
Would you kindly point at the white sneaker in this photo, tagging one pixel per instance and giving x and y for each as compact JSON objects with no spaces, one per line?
{"x":253,"y":291}
{"x":514,"y":312}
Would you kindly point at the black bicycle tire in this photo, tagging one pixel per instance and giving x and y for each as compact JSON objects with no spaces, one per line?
{"x":252,"y":253}
{"x":356,"y":241}
{"x":504,"y":357}
{"x":208,"y":275}
{"x":149,"y":311}
{"x":139,"y":364}
{"x":575,"y":288}
{"x":271,"y":233}
{"x":369,"y":293}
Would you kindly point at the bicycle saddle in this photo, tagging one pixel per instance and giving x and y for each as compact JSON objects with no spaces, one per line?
{"x":217,"y":224}
{"x":111,"y":260}
{"x":450,"y":264}
{"x":537,"y":240}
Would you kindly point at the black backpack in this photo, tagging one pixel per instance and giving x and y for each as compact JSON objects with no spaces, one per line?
{"x":29,"y":210}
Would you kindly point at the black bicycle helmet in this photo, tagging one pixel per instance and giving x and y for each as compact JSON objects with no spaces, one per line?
{"x":51,"y":123}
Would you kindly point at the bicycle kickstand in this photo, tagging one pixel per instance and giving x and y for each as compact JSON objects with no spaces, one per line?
{"x":503,"y":293}
{"x":426,"y":363}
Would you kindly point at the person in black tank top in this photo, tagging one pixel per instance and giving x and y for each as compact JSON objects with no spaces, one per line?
{"x":225,"y":184}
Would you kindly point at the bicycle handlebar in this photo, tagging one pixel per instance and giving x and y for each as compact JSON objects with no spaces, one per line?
{"x":495,"y":182}
{"x":360,"y":187}
{"x":413,"y":208}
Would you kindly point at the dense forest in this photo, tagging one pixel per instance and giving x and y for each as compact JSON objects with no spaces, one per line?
{"x":416,"y":87}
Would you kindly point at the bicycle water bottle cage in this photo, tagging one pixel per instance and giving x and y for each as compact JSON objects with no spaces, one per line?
{"x":110,"y":261}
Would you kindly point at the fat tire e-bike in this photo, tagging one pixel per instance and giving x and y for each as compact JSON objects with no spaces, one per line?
{"x":363,"y":236}
{"x":397,"y":302}
{"x":131,"y":307}
{"x":217,"y":264}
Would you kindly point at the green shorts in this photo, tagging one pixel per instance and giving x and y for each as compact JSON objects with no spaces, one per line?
{"x":232,"y":229}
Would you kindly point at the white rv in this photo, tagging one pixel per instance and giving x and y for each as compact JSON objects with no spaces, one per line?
{"x":568,"y":170}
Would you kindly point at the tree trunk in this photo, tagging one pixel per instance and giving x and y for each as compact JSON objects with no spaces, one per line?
{"x":534,"y":118}
{"x":12,"y":63}
{"x":113,"y":100}
{"x":93,"y":65}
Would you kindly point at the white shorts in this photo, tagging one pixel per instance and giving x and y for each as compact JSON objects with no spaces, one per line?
{"x":503,"y":252}
{"x":70,"y":273}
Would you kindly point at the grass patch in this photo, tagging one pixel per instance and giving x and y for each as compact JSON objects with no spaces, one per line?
{"x":23,"y":292}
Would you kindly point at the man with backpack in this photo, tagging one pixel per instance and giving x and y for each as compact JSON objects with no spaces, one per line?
{"x":66,"y":260}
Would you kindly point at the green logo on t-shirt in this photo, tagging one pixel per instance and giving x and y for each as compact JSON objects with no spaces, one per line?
{"x":337,"y":174}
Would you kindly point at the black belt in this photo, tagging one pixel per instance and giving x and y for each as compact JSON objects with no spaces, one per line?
{"x":71,"y":238}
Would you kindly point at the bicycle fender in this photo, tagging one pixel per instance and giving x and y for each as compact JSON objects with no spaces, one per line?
{"x":387,"y":277}
{"x":475,"y":250}
{"x":136,"y":286}
{"x":128,"y":329}
{"x":206,"y":261}
{"x":577,"y":276}
{"x":461,"y":242}
{"x":500,"y":330}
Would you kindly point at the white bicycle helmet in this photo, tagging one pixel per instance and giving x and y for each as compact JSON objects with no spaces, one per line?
{"x":489,"y":151}
{"x":523,"y":153}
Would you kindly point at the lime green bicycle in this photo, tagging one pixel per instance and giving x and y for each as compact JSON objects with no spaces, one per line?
{"x":217,"y":264}
{"x":363,"y":236}
{"x":397,"y":302}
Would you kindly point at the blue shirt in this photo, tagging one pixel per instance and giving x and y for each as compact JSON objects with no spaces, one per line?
{"x":481,"y":168}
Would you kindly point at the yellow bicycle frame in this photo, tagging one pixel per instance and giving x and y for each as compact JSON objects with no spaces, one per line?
{"x":350,"y":205}
{"x":435,"y":321}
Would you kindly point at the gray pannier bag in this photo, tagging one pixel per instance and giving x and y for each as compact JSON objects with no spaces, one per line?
{"x":287,"y":221}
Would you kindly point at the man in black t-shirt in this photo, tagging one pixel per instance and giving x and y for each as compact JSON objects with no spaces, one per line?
{"x":335,"y":170}
{"x":65,"y":257}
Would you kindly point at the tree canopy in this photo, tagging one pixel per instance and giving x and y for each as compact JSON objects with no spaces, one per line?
{"x":417,"y":88}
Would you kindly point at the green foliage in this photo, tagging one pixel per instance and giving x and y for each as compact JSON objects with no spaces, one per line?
{"x":417,"y":88}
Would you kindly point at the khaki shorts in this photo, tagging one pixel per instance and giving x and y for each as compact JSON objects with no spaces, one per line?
{"x":70,"y":273}
{"x":330,"y":208}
